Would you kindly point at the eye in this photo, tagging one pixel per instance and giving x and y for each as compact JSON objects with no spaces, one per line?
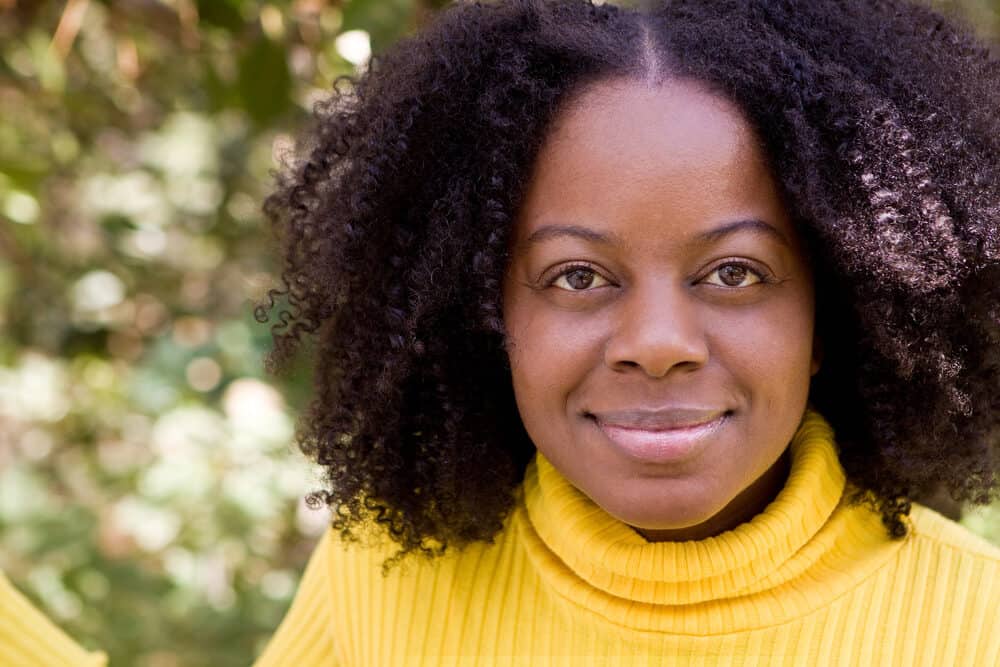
{"x":578,"y":278}
{"x":736,"y":274}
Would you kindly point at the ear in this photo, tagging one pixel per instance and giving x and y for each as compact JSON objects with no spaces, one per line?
{"x":817,"y":356}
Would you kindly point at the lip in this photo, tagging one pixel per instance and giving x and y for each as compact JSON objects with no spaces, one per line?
{"x":659,"y":419}
{"x":662,"y":436}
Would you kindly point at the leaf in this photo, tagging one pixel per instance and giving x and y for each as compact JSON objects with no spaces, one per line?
{"x":384,"y":20}
{"x":265,"y":83}
{"x":223,"y":13}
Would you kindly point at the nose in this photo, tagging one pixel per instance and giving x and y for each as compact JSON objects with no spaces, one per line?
{"x":658,"y":329}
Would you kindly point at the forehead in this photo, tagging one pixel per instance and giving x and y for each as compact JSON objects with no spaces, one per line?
{"x":624,"y":150}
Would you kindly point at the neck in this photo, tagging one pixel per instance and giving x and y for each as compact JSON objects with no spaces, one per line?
{"x":747,"y":504}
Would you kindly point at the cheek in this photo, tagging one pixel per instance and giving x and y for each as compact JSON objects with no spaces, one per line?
{"x":551,"y":353}
{"x":771,"y":350}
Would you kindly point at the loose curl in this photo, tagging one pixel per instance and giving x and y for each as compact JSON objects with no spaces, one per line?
{"x":879,"y":120}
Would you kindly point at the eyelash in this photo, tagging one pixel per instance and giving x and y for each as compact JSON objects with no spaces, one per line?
{"x":570,"y":269}
{"x":763,"y":276}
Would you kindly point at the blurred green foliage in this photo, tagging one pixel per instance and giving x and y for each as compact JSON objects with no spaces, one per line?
{"x":150,"y":498}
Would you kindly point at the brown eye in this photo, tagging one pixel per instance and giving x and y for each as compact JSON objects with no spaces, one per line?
{"x":735,"y":275}
{"x":577,"y":279}
{"x":580,"y":278}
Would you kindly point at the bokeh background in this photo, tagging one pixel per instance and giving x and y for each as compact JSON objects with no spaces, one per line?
{"x":151,"y":497}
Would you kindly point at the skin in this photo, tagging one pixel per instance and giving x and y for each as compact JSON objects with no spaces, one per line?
{"x":656,"y":316}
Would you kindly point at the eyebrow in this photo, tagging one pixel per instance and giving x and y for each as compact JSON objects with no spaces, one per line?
{"x":752,"y":225}
{"x":549,"y":232}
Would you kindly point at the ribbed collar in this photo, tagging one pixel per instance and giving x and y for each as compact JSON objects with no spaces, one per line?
{"x":805,"y":548}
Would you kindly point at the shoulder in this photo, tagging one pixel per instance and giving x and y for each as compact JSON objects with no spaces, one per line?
{"x":939,"y":532}
{"x":417,"y":586}
{"x":28,"y":637}
{"x":951,"y":577}
{"x":353,"y":561}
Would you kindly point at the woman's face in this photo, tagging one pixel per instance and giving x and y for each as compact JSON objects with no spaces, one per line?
{"x":660,"y":311}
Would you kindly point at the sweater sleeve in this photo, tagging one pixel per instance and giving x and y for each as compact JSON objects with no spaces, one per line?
{"x":305,"y":636}
{"x":29,"y":638}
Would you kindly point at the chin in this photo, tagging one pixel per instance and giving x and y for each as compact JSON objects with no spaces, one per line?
{"x":664,"y":514}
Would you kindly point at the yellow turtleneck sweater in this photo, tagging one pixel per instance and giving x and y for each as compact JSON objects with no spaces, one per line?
{"x":29,"y":639}
{"x":809,"y":581}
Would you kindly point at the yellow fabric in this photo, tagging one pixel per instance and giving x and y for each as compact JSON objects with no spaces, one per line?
{"x":809,"y":581}
{"x":29,"y":639}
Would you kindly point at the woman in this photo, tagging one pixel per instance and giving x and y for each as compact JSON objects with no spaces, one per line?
{"x":641,"y":333}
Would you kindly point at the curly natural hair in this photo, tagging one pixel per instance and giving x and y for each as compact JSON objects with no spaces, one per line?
{"x":880,"y":122}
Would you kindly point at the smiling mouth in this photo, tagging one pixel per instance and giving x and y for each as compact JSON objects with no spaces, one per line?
{"x":655,"y":444}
